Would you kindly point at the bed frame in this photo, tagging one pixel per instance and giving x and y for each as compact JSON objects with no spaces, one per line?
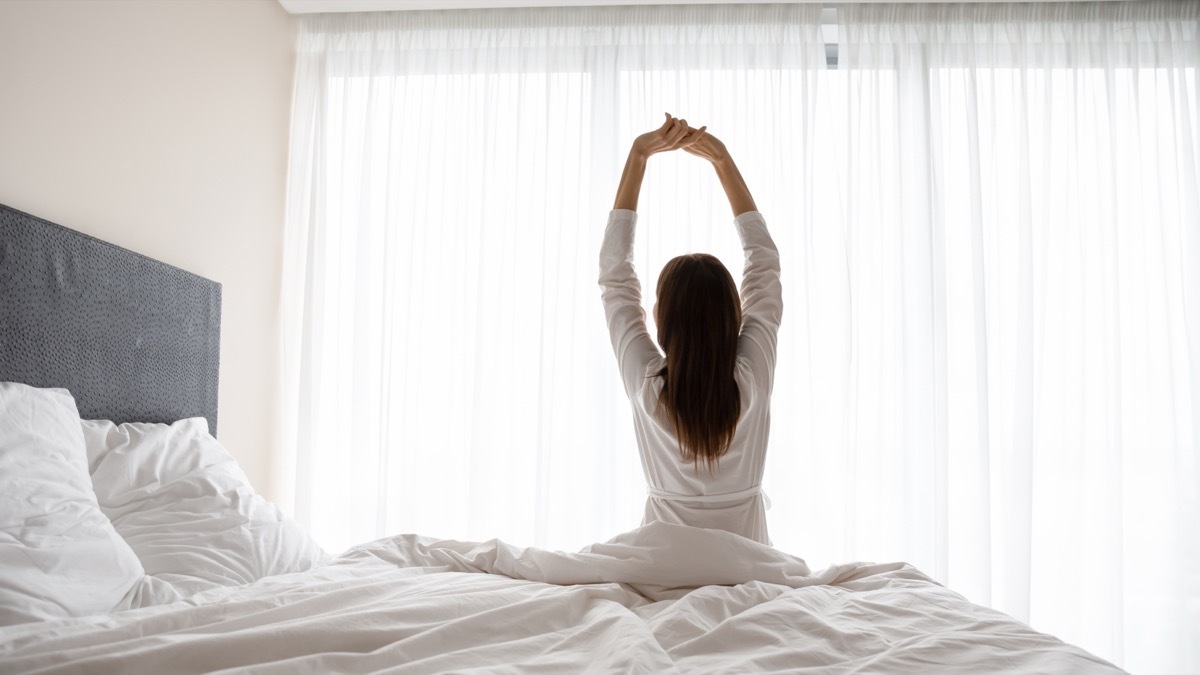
{"x":132,"y":338}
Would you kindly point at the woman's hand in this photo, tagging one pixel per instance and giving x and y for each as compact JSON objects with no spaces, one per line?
{"x":672,"y":135}
{"x":675,"y":134}
{"x":703,"y":144}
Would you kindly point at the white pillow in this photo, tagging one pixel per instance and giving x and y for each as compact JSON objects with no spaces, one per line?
{"x":59,"y":555}
{"x":185,"y":507}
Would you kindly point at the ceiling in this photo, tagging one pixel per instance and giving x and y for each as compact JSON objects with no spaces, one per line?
{"x":320,"y":6}
{"x":312,"y":6}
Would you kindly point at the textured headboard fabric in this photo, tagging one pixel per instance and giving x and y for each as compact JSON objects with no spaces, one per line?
{"x":132,"y":338}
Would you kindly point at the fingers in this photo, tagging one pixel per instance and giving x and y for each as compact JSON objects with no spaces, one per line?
{"x":677,"y":133}
{"x":695,"y":136}
{"x":695,"y":143}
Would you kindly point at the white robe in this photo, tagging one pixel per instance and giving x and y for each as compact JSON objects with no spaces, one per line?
{"x":731,"y":498}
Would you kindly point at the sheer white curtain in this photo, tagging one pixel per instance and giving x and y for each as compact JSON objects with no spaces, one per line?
{"x":1021,"y":244}
{"x":990,"y":358}
{"x":451,"y":175}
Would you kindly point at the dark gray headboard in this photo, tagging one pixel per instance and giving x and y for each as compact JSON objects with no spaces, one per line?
{"x":133,"y":339}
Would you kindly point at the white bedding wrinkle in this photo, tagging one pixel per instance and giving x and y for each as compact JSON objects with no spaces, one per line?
{"x":59,"y":555}
{"x":643,"y":602}
{"x":188,"y":511}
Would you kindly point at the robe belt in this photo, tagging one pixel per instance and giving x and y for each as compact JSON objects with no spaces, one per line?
{"x":720,"y":498}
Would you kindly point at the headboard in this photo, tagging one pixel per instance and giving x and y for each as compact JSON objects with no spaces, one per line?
{"x":132,"y":338}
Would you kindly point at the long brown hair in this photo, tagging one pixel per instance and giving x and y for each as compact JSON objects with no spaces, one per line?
{"x":699,"y":316}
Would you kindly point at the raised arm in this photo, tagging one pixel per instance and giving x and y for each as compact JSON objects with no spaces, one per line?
{"x":762,"y":293}
{"x":703,"y":144}
{"x":621,"y":290}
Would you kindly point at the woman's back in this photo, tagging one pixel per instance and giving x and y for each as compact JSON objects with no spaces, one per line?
{"x":729,"y":495}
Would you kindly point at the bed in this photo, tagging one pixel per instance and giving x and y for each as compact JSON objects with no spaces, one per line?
{"x":131,"y":542}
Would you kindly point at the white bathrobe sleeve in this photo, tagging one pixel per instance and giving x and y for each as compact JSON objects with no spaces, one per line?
{"x":621,"y":293}
{"x":762,"y":298}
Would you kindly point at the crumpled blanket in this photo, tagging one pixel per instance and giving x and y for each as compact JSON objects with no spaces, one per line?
{"x":659,"y":599}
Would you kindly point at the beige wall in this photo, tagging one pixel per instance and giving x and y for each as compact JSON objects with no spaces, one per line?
{"x":162,"y":126}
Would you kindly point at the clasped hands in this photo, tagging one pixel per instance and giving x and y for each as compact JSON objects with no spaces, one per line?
{"x":675,"y":134}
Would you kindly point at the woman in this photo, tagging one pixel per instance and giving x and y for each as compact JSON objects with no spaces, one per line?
{"x":701,"y":406}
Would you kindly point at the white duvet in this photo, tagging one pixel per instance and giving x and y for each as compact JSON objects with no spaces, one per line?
{"x":660,"y":599}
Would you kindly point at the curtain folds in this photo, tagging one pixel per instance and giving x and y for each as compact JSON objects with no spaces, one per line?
{"x":451,"y":174}
{"x":1042,"y":376}
{"x":989,"y":223}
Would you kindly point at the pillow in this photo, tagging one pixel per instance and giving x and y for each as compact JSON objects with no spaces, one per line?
{"x":59,"y":555}
{"x":185,"y":507}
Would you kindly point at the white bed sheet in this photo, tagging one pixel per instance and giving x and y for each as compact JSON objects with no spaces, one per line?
{"x":660,"y":599}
